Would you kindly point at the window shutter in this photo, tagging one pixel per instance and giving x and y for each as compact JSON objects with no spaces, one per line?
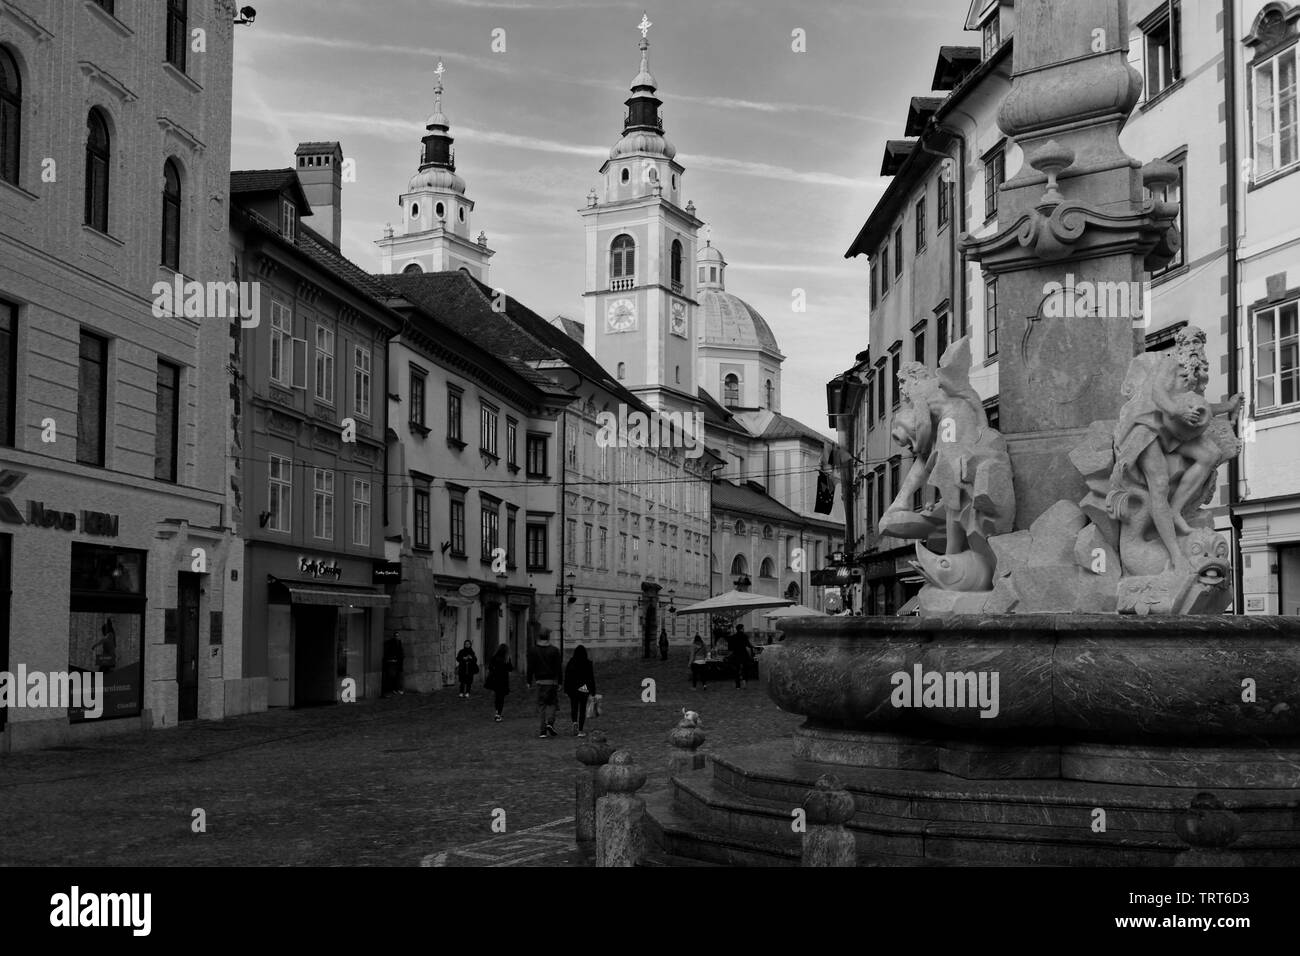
{"x":299,"y":363}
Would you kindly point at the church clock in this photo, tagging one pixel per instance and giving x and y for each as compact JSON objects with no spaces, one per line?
{"x":679,"y":319}
{"x":620,"y":316}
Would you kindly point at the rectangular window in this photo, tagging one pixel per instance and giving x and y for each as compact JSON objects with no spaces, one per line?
{"x":895,"y":362}
{"x":454,"y":414}
{"x":178,"y":34}
{"x":423,"y":514}
{"x":1276,"y":125}
{"x":992,"y":31}
{"x":870,"y":491}
{"x":489,"y":526}
{"x":279,"y":494}
{"x":457,"y":523}
{"x":361,"y":381}
{"x":1160,"y":48}
{"x":323,"y":504}
{"x":875,"y":280}
{"x":943,"y":203}
{"x":603,"y":553}
{"x":281,"y":342}
{"x":512,"y":443}
{"x":512,"y":531}
{"x":882,"y":495}
{"x":487,"y":428}
{"x":8,"y":373}
{"x":918,"y":345}
{"x":288,"y":219}
{"x":995,"y":174}
{"x":941,"y":340}
{"x":920,"y":225}
{"x":571,"y":542}
{"x":418,"y":413}
{"x":871,"y":399}
{"x":894,"y":486}
{"x":898,"y":253}
{"x":1174,"y":192}
{"x":884,"y":270}
{"x":166,"y":422}
{"x":1277,"y":376}
{"x":360,"y":513}
{"x":537,"y":456}
{"x":636,"y":550}
{"x":882,"y":380}
{"x":324,"y":365}
{"x":537,"y":555}
{"x":587,"y":535}
{"x":991,"y":318}
{"x":622,"y":549}
{"x":92,"y":399}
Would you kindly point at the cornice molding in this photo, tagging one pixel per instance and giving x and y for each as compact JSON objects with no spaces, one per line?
{"x":108,"y":81}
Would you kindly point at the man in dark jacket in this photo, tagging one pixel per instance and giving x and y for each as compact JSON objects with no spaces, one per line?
{"x":740,"y":654}
{"x":545,"y":669}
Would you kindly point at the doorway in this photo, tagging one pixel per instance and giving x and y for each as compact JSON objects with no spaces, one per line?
{"x":187,"y":645}
{"x":315,"y":654}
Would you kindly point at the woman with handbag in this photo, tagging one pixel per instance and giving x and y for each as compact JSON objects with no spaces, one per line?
{"x":498,"y":677}
{"x":466,"y":668}
{"x":579,"y":684}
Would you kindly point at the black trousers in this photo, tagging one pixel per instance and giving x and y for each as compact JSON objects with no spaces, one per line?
{"x":698,"y":673}
{"x":500,"y":700}
{"x":465,"y":684}
{"x":578,"y":710}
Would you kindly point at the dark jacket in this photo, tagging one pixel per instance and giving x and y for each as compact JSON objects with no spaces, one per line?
{"x":544,"y":664}
{"x":498,"y":675}
{"x":739,"y":644}
{"x":393,"y":653}
{"x":466,"y":664}
{"x":577,"y":674}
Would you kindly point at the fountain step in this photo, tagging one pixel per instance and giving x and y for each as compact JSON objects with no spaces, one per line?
{"x":766,"y":773}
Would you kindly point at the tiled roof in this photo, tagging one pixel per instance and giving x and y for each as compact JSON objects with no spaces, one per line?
{"x":329,"y":257}
{"x":270,"y":181}
{"x":782,"y":426}
{"x":743,"y":498}
{"x":572,"y":327}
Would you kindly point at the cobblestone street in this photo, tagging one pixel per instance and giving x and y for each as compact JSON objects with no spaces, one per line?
{"x":406,"y":781}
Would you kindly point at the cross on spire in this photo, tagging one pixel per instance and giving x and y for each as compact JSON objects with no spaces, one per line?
{"x":645,"y":24}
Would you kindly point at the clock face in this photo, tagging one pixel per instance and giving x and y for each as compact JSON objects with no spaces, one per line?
{"x":679,"y":319}
{"x":621,"y":316}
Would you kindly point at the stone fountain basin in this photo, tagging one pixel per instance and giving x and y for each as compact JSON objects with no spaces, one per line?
{"x":1060,"y":677}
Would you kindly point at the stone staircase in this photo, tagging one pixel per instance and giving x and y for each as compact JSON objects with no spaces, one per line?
{"x":737,"y":812}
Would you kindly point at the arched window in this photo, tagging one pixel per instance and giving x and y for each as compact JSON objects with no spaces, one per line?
{"x":740,"y":527}
{"x":440,"y":210}
{"x":97,"y":168}
{"x":677,"y":373}
{"x":11,"y":116}
{"x":415,"y":210}
{"x":768,"y":389}
{"x":731,"y":390}
{"x":676,"y":260}
{"x":767,"y":569}
{"x":622,"y":370}
{"x":622,"y":261}
{"x":739,"y":565}
{"x":767,"y":531}
{"x":412,"y":268}
{"x":792,"y":592}
{"x":171,"y":216}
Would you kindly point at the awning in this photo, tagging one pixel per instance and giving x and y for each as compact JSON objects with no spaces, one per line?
{"x":310,"y":594}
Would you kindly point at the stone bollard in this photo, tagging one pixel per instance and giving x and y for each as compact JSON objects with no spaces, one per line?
{"x":1209,"y":829}
{"x":620,"y":834}
{"x":593,"y":753}
{"x":686,"y":738}
{"x":827,"y":807}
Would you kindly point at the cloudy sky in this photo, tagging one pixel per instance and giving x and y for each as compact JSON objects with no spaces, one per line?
{"x":781,"y":149}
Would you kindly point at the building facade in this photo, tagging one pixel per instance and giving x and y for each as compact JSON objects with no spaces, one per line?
{"x":116,"y":545}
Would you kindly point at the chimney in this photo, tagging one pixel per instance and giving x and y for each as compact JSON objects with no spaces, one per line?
{"x":320,"y":170}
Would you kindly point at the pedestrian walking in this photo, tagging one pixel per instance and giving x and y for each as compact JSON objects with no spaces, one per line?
{"x":466,"y":668}
{"x":579,"y":684}
{"x":663,"y":644}
{"x":498,"y":677}
{"x":545,"y":669}
{"x":740,"y":653}
{"x":394,"y":657}
{"x":699,"y":662}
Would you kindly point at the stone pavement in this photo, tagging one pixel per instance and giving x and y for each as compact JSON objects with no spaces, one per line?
{"x":413,"y":780}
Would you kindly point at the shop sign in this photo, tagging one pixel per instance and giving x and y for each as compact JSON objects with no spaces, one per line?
{"x":386,"y":572}
{"x":319,"y":569}
{"x":469,"y":590}
{"x":90,"y":522}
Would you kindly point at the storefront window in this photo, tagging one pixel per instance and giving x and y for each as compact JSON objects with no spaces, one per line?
{"x":106,"y":625}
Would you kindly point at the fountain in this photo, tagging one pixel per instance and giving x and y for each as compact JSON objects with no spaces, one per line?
{"x":1071,"y":688}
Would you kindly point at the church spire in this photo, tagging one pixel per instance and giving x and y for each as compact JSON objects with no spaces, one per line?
{"x":437,"y":142}
{"x":643,"y":106}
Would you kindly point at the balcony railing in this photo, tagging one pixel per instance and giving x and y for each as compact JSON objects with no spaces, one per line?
{"x":622,"y":283}
{"x":677,"y":288}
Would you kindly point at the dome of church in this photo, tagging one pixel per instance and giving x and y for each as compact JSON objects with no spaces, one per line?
{"x":437,"y":178}
{"x":731,"y":321}
{"x":708,"y":254}
{"x":643,"y":141}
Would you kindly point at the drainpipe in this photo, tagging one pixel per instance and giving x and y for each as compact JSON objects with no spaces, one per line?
{"x":1230,"y":120}
{"x":562,"y":458}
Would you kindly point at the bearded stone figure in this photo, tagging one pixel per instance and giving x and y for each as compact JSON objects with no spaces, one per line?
{"x":957,"y":455}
